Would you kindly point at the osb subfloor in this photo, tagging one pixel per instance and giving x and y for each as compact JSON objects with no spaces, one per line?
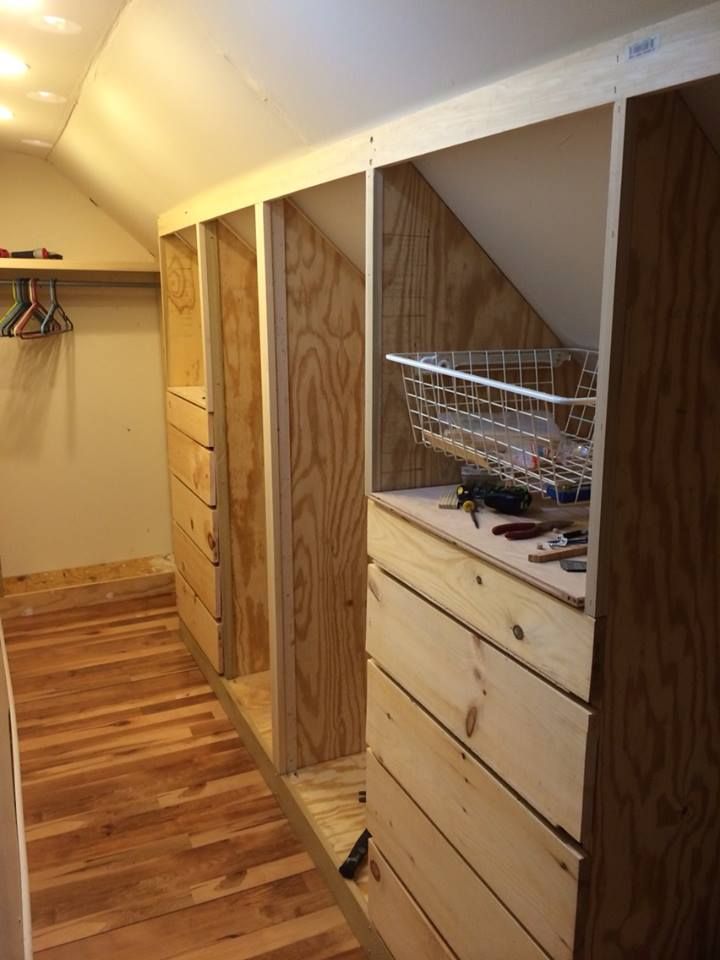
{"x":150,"y":831}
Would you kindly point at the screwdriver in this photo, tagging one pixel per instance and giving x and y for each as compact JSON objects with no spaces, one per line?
{"x":469,"y":506}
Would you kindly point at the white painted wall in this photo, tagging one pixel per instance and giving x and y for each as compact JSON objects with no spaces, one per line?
{"x":83,"y":468}
{"x":536,"y":200}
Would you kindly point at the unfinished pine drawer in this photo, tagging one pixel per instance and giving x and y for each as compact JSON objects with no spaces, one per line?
{"x":202,"y":575}
{"x":535,"y":737}
{"x":197,"y":519}
{"x":532,"y":870}
{"x":459,"y":904}
{"x":193,"y":464}
{"x":198,"y":620}
{"x":404,"y":928}
{"x":547,"y":634}
{"x":189,"y":418}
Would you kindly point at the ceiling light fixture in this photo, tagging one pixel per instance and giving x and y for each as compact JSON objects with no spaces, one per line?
{"x":46,"y":96}
{"x":53,"y":24}
{"x":37,"y":143}
{"x":5,"y":113}
{"x":10,"y":65}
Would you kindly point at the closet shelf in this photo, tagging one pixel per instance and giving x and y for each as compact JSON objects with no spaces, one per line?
{"x":107,"y":271}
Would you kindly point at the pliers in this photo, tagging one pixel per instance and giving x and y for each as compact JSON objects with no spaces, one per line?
{"x":526,"y":530}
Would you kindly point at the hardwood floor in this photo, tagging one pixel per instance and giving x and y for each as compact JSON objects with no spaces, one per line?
{"x":150,"y":831}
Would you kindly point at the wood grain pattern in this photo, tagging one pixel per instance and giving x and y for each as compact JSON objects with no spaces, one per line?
{"x":184,"y":352}
{"x":81,"y":586}
{"x":189,"y":418}
{"x":452,"y":895}
{"x":534,"y":737}
{"x":192,"y":464}
{"x":325,"y":369}
{"x":200,"y":622}
{"x":237,"y":265}
{"x":200,"y":573}
{"x":655,"y":884}
{"x":405,"y":929}
{"x":197,"y":519}
{"x":150,"y":831}
{"x":529,"y":867}
{"x":440,"y":291}
{"x":547,"y":635}
{"x":252,"y":693}
{"x":328,"y":794}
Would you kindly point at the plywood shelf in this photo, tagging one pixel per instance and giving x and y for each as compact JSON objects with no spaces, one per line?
{"x":108,"y":271}
{"x":421,"y":506}
{"x":328,"y":795}
{"x":253,"y":696}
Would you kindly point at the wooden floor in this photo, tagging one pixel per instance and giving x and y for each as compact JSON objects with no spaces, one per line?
{"x":150,"y":831}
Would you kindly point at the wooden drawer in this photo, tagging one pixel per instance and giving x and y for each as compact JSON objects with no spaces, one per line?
{"x":470,"y":918}
{"x":406,"y":931}
{"x":189,"y":418}
{"x":524,"y":862}
{"x":202,"y":575}
{"x":197,"y":519}
{"x":193,"y":464}
{"x":535,"y":737}
{"x":547,"y":634}
{"x":202,"y":625}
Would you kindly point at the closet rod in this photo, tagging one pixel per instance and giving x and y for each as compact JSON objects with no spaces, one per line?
{"x":97,"y":283}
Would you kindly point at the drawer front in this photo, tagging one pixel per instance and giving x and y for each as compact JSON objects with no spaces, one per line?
{"x":470,"y":918}
{"x":202,"y":575}
{"x":195,"y":422}
{"x":197,"y":520}
{"x":407,"y":933}
{"x":533,"y":872}
{"x":530,"y":733}
{"x":203,"y":627}
{"x":193,"y":464}
{"x":543,"y":632}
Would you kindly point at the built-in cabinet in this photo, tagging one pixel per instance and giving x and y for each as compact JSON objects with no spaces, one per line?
{"x":540,"y":766}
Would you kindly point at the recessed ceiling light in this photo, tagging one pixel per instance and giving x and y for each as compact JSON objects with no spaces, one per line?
{"x":37,"y":143}
{"x":54,"y":24}
{"x":5,"y":113}
{"x":10,"y":65}
{"x":46,"y":96}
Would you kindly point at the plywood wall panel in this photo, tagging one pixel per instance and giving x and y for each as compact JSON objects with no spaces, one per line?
{"x":243,"y":426}
{"x":440,"y":291}
{"x":184,"y":355}
{"x":325,"y":331}
{"x":655,"y":883}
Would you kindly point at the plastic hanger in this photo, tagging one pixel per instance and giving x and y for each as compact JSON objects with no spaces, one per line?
{"x":20,"y":304}
{"x":35,"y":311}
{"x":56,"y":320}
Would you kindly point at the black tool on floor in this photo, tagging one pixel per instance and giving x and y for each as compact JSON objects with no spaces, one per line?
{"x":350,"y":866}
{"x":574,"y":565}
{"x":511,"y":500}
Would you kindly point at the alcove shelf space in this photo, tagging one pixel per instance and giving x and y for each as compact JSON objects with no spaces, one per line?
{"x":104,"y":271}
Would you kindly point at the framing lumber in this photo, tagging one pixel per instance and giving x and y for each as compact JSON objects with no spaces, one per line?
{"x":688,"y":50}
{"x":244,"y":445}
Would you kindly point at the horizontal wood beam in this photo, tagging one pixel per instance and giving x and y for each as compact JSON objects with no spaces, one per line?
{"x":687,"y":49}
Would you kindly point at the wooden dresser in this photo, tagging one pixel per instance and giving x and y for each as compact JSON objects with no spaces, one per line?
{"x":481,"y":742}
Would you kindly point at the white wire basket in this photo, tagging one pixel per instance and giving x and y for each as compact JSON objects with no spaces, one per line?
{"x":527,"y":415}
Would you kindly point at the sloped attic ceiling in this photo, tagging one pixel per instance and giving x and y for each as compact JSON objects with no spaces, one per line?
{"x":187,"y":94}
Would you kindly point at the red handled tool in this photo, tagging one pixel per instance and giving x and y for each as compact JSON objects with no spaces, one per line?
{"x":526,"y":530}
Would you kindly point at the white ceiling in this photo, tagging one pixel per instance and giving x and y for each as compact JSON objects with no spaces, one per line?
{"x":186,"y":94}
{"x":58,"y":63}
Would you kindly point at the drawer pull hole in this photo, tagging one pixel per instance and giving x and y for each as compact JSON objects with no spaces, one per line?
{"x":375,"y":870}
{"x":471,"y":721}
{"x":518,"y":632}
{"x":478,"y":580}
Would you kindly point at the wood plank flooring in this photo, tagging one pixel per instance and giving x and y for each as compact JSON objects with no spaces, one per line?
{"x":150,"y":831}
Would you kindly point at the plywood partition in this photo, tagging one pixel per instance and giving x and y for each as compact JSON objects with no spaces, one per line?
{"x":319,"y":554}
{"x":656,"y":826}
{"x":438,"y":290}
{"x":184,"y":346}
{"x":238,"y":285}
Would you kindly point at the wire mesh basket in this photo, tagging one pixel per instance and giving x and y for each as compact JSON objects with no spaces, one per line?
{"x":527,"y":415}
